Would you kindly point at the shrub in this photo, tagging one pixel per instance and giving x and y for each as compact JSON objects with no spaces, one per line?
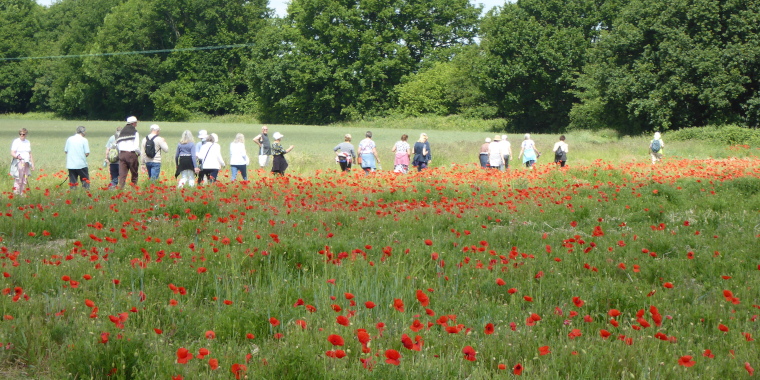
{"x":724,"y":134}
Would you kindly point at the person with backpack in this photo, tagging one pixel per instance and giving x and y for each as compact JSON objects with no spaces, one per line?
{"x":112,"y":158}
{"x":152,"y":146}
{"x":560,"y":151}
{"x":655,"y":147}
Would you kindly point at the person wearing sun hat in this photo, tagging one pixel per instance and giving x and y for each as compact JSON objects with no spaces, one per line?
{"x":128,"y":144}
{"x":495,"y":155}
{"x":279,"y":163}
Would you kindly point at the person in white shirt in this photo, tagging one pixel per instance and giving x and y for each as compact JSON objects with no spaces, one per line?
{"x":77,"y":150}
{"x":211,"y":159}
{"x":495,"y":155}
{"x":153,"y":164}
{"x":560,"y":151}
{"x":239,"y":160}
{"x":128,"y":144}
{"x":21,"y":151}
{"x":506,"y":151}
{"x":655,"y":148}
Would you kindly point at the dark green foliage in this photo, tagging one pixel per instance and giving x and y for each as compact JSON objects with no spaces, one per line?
{"x":335,"y":60}
{"x":673,"y":65}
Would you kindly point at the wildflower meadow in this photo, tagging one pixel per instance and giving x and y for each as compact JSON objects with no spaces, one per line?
{"x":604,"y":269}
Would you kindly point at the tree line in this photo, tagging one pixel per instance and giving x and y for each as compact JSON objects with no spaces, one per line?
{"x":543,"y":65}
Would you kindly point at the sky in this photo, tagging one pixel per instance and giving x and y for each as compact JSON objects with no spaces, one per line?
{"x":280,"y":6}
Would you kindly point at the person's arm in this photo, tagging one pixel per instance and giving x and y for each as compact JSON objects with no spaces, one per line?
{"x":219,"y":155}
{"x":14,"y":151}
{"x":394,"y":148}
{"x":337,"y":147}
{"x":257,"y":140}
{"x":142,"y":149}
{"x":86,"y":148}
{"x":374,"y":151}
{"x":194,"y":155}
{"x":289,"y":149}
{"x":164,"y":145}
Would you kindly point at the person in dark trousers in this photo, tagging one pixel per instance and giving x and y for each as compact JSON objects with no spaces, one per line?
{"x":128,"y":144}
{"x":77,"y":150}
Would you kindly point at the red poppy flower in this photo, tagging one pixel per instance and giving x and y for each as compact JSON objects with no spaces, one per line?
{"x":428,"y":242}
{"x":342,"y":320}
{"x":336,"y":340}
{"x":301,"y":323}
{"x":274,"y":322}
{"x":722,"y":327}
{"x":469,"y":353}
{"x":686,"y":361}
{"x":249,"y":336}
{"x":213,"y":364}
{"x":210,"y":335}
{"x":528,"y":298}
{"x":422,"y":298}
{"x":369,"y":305}
{"x":500,"y":282}
{"x":708,"y":354}
{"x":392,"y":357}
{"x":489,"y":329}
{"x":604,"y":333}
{"x":578,"y":302}
{"x":543,"y":350}
{"x":668,"y":285}
{"x":183,"y":355}
{"x":398,"y":304}
{"x":613,"y":313}
{"x":749,"y":368}
{"x":202,"y":353}
{"x":517,"y":369}
{"x":238,"y":370}
{"x":574,"y":333}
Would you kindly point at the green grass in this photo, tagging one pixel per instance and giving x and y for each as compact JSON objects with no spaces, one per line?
{"x":533,"y":229}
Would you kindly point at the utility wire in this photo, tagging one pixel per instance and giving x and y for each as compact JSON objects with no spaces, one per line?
{"x":217,"y":47}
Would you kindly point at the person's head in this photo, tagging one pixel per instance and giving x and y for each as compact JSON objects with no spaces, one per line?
{"x":503,"y":137}
{"x":423,"y":137}
{"x":187,"y":137}
{"x":239,"y":138}
{"x":81,"y":130}
{"x":368,"y":134}
{"x":278,"y":136}
{"x":132,"y":120}
{"x":264,"y":129}
{"x":562,"y":138}
{"x":404,"y":137}
{"x":347,"y":137}
{"x":214,"y":138}
{"x":155,"y":129}
{"x":488,"y":139}
{"x":202,"y":135}
{"x":22,"y":133}
{"x":527,"y":136}
{"x":657,"y":135}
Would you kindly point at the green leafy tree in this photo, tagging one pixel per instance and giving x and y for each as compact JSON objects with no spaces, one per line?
{"x":339,"y":59}
{"x":672,"y":65}
{"x":19,"y":19}
{"x":533,"y":50}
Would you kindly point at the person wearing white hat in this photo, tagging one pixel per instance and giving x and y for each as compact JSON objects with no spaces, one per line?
{"x":211,"y":159}
{"x":152,"y":146}
{"x":202,"y":135}
{"x":506,"y":150}
{"x":128,"y":144}
{"x":279,"y":163}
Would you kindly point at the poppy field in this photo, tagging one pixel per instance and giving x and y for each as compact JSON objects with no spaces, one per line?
{"x":601,"y":270}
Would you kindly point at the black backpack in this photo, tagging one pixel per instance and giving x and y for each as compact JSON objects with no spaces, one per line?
{"x":558,"y":154}
{"x":150,"y":147}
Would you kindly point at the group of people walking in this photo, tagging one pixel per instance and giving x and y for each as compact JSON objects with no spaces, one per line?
{"x":419,"y":156}
{"x":496,"y":153}
{"x":201,"y":161}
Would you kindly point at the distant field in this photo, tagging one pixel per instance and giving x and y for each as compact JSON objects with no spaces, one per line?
{"x":314,"y":144}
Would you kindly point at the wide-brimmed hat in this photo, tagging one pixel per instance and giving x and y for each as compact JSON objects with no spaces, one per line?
{"x":202,"y":134}
{"x":131,"y":120}
{"x":497,"y":138}
{"x":488,"y":139}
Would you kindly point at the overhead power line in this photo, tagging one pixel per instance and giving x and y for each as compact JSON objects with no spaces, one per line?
{"x":197,"y":48}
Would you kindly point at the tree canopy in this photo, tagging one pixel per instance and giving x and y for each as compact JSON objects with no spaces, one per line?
{"x":542,"y":65}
